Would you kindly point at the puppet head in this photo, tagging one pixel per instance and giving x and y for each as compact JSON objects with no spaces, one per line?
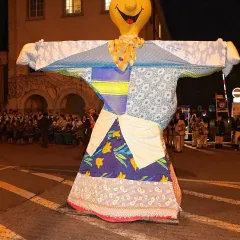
{"x":130,"y":15}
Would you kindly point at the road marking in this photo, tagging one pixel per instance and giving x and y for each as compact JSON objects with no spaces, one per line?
{"x":16,"y":190}
{"x":44,"y":202}
{"x":227,"y":185}
{"x":212,"y":197}
{"x":29,"y":195}
{"x":6,"y":233}
{"x":206,"y":181}
{"x":127,"y":233}
{"x":200,"y":150}
{"x":6,"y":168}
{"x":133,"y":235}
{"x":43,"y":169}
{"x":211,"y":222}
{"x":217,"y":183}
{"x":53,"y":169}
{"x":68,"y":182}
{"x":48,"y":176}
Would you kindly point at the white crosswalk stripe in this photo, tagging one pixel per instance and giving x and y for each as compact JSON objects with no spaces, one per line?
{"x":130,"y":234}
{"x":212,"y":197}
{"x":212,"y":222}
{"x":7,"y":234}
{"x":200,"y":150}
{"x":16,"y":190}
{"x":217,"y":183}
{"x":4,"y":168}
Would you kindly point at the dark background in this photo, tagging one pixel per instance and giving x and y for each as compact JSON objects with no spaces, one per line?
{"x":204,"y":20}
{"x":188,"y":20}
{"x":3,"y":25}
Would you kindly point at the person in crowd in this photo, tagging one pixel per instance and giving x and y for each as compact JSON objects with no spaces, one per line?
{"x":43,"y":125}
{"x":236,"y":129}
{"x":10,"y":126}
{"x":179,"y":134}
{"x":87,"y":129}
{"x":170,"y":134}
{"x":195,"y":122}
{"x":202,"y":134}
{"x":176,"y":118}
{"x":68,"y":136}
{"x":92,"y":117}
{"x":29,"y":131}
{"x":220,"y":131}
{"x":78,"y":130}
{"x":1,"y":131}
{"x":20,"y":127}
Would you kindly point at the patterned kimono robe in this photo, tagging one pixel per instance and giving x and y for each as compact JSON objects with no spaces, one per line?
{"x":126,"y":174}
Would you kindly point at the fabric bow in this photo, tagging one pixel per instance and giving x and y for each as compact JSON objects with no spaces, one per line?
{"x":123,"y":50}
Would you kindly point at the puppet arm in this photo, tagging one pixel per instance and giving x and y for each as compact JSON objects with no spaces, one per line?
{"x":231,"y":56}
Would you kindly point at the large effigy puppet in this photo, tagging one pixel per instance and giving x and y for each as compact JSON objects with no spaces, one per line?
{"x":126,"y":174}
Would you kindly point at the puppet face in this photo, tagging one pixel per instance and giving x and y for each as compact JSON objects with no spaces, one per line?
{"x":130,"y":15}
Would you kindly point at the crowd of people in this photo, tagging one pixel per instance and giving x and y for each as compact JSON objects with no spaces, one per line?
{"x":76,"y":130}
{"x":199,"y":126}
{"x":45,"y":128}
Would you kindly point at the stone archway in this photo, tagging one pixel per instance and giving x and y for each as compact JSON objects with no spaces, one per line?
{"x":35,"y":103}
{"x":67,"y":98}
{"x":39,"y":93}
{"x":73,"y":104}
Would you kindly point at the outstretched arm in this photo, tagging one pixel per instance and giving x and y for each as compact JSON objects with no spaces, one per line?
{"x":231,"y":56}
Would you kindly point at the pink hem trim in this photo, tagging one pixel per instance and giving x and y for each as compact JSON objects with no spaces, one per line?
{"x":118,"y":219}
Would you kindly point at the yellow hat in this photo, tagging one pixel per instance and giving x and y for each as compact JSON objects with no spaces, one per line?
{"x":130,"y":15}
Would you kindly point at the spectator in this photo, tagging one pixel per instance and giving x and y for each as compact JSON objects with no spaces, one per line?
{"x":220,"y":131}
{"x":43,"y":125}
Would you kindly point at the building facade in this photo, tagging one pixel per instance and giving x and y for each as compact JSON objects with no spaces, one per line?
{"x":3,"y":52}
{"x":3,"y":79}
{"x":59,"y":20}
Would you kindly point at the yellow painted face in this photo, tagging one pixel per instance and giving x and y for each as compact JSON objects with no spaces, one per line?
{"x":130,"y":15}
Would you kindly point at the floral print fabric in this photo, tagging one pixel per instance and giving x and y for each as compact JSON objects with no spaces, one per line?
{"x":152,"y":94}
{"x":113,"y":159}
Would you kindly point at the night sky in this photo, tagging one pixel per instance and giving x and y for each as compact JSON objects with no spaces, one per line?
{"x":3,"y":25}
{"x":189,"y":20}
{"x":204,"y":20}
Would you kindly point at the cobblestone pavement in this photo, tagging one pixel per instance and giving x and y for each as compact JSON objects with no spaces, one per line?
{"x":35,"y":183}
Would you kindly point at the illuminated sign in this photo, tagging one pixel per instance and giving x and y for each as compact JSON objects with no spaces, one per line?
{"x":236,"y":95}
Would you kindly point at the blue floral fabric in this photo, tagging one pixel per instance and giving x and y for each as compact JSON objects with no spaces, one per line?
{"x":152,"y":94}
{"x":113,"y":159}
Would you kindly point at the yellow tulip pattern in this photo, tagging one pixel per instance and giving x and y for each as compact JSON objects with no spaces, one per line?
{"x":113,"y":134}
{"x":99,"y":162}
{"x":113,"y":159}
{"x":107,"y":148}
{"x":133,"y":163}
{"x":164,"y":179}
{"x":116,"y":134}
{"x":121,"y":175}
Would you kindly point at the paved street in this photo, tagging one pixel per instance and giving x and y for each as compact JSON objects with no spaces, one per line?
{"x":35,"y":183}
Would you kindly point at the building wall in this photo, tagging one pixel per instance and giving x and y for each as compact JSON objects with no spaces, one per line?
{"x":3,"y":79}
{"x":92,"y":25}
{"x":3,"y":58}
